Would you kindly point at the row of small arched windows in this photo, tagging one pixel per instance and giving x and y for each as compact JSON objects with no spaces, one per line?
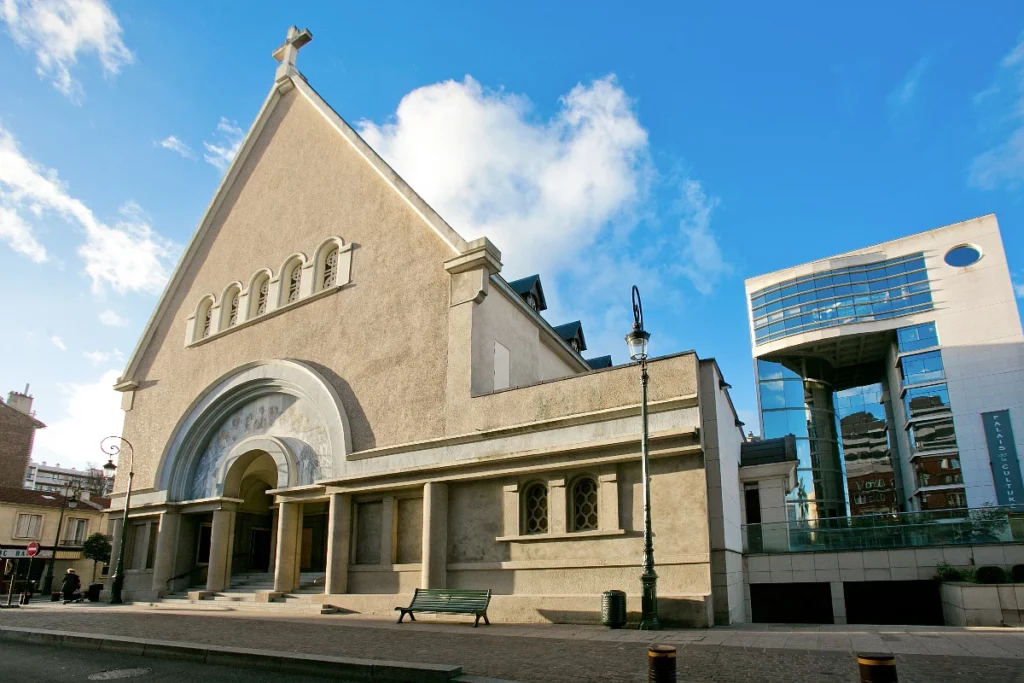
{"x":582,"y":513}
{"x":238,"y":305}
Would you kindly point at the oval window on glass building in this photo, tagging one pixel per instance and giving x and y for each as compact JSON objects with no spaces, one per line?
{"x":963,"y":256}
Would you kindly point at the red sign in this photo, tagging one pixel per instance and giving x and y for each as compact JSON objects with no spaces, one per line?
{"x":31,"y":549}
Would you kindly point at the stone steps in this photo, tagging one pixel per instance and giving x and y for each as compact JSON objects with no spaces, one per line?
{"x":242,"y":594}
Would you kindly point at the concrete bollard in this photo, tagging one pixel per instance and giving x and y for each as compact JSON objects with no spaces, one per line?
{"x":877,"y":668}
{"x":661,"y":664}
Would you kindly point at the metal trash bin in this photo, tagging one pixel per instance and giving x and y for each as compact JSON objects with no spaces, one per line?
{"x":613,"y":609}
{"x":93,"y":594}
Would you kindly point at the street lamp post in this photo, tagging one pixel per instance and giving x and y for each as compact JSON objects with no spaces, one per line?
{"x":637,"y":340}
{"x":66,"y":503}
{"x":111,"y":446}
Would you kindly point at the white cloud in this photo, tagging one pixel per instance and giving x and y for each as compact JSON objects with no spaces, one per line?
{"x":177,"y":146}
{"x":110,"y":318}
{"x":59,"y":31}
{"x":58,"y":342}
{"x":1018,"y":288}
{"x":91,"y":412}
{"x":702,"y":260}
{"x":562,"y":197}
{"x":18,"y":235}
{"x":1002,"y":164}
{"x":905,"y":92}
{"x":222,"y":151}
{"x":129,"y":256}
{"x":100,"y":357}
{"x":541,"y":190}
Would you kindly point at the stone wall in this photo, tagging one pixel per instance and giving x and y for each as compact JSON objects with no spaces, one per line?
{"x":17,"y":432}
{"x":974,"y":604}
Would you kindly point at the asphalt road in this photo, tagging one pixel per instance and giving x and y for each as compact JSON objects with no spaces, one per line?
{"x":62,"y":665}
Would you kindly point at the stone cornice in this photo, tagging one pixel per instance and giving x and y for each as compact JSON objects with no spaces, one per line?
{"x":689,"y":401}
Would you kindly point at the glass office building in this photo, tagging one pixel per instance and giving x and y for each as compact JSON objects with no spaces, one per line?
{"x":860,"y":293}
{"x":838,"y":398}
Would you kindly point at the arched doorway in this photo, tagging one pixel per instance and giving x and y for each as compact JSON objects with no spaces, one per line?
{"x":274,"y":425}
{"x":249,"y":478}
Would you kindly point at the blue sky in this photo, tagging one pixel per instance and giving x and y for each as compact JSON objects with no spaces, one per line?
{"x":684,"y":148}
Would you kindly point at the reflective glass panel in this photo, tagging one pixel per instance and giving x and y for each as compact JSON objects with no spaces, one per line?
{"x":776,"y":422}
{"x":933,"y":434}
{"x":922,"y":367}
{"x":921,"y":336}
{"x":938,"y":471}
{"x":828,"y":298}
{"x":925,"y":401}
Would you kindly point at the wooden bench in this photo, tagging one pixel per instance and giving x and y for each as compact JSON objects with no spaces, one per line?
{"x":448,"y":601}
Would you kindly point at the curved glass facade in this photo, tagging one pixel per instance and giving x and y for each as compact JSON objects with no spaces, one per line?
{"x":844,"y":452}
{"x":872,"y":291}
{"x":796,"y":398}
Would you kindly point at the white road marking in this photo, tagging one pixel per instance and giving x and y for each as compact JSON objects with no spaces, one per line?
{"x":118,"y":673}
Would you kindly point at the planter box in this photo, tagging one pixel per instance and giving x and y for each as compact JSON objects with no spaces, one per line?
{"x":980,"y":604}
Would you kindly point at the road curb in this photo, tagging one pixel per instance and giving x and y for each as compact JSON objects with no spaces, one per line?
{"x":324,"y":666}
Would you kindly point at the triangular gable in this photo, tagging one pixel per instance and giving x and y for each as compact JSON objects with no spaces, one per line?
{"x":295,"y":80}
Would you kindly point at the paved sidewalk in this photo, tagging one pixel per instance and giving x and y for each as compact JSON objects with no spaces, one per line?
{"x":571,"y":653}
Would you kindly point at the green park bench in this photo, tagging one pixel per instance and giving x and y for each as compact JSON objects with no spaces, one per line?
{"x":448,"y":601}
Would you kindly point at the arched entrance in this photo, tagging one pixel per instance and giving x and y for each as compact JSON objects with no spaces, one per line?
{"x":267,"y":426}
{"x":250,"y":477}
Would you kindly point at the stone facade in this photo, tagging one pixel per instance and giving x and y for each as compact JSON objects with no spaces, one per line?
{"x":356,"y":431}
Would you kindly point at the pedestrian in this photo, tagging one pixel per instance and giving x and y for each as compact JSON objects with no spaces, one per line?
{"x":70,"y":586}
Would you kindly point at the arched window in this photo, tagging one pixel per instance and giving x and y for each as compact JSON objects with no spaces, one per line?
{"x":229,"y":301}
{"x":264,"y":294}
{"x":290,"y":280}
{"x":294,"y":283}
{"x":259,"y":294}
{"x":330,"y":276}
{"x":203,"y":321}
{"x":584,"y":505}
{"x":233,"y":309}
{"x":535,"y":509}
{"x":328,"y":262}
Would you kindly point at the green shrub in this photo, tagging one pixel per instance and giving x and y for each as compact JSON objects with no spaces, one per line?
{"x":1017,"y":572}
{"x":947,"y":572}
{"x":990,"y":574}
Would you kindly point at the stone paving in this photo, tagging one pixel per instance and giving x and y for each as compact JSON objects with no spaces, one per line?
{"x":572,"y":653}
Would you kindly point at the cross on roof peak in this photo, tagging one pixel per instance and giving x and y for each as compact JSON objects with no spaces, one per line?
{"x":287,"y":53}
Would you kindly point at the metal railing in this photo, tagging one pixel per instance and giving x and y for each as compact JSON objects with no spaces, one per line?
{"x":900,"y":530}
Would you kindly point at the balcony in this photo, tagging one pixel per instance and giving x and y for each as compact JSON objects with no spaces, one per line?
{"x":877,"y":532}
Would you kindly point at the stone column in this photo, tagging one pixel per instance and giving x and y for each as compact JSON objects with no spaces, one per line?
{"x":556,"y":505}
{"x":838,"y":602}
{"x":273,"y":539}
{"x":339,"y":543}
{"x":289,"y":545}
{"x":387,"y":531}
{"x":166,"y":548}
{"x":221,"y":537}
{"x":434,"y":572}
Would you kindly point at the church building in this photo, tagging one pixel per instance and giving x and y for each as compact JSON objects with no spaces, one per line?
{"x":339,"y":391}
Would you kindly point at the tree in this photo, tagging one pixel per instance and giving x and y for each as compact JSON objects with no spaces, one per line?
{"x":97,"y":549}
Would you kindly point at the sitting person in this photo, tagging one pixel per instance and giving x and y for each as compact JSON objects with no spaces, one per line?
{"x":70,"y":585}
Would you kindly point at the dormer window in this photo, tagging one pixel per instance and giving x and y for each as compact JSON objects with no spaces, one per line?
{"x":572,"y":333}
{"x":529,"y":288}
